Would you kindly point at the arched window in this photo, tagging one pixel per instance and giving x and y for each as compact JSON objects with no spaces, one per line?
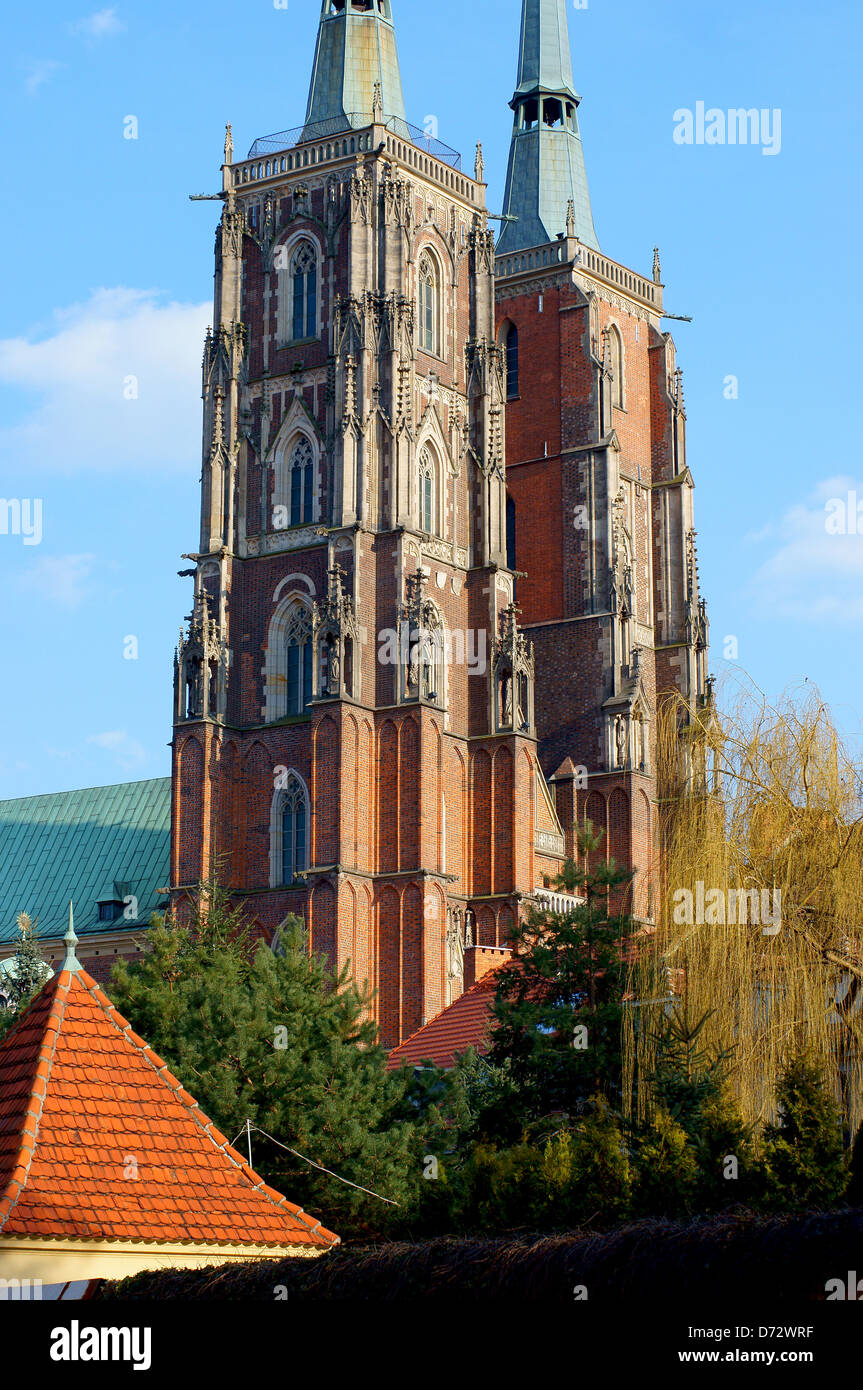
{"x":298,"y":637}
{"x":427,"y":493}
{"x":289,"y":661}
{"x":428,"y":303}
{"x":512,"y":364}
{"x":289,"y":833}
{"x":615,"y":357}
{"x":293,"y":835}
{"x":301,"y":481}
{"x":304,"y":292}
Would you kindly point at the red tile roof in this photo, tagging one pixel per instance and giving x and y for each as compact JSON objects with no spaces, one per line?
{"x":464,"y":1024}
{"x":98,"y":1141}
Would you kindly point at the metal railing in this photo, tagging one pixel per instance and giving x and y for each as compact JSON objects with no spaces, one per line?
{"x":352,"y":121}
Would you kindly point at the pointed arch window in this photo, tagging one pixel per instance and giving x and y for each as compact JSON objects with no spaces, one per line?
{"x":615,"y":357}
{"x":294,"y":826}
{"x":427,"y":493}
{"x":289,"y":662}
{"x":304,"y":291}
{"x":428,"y":303}
{"x":289,"y":833}
{"x":301,"y":480}
{"x":298,"y":641}
{"x":512,"y":364}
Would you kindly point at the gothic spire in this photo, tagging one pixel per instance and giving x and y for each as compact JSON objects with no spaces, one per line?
{"x":356,"y":73}
{"x":546,"y":162}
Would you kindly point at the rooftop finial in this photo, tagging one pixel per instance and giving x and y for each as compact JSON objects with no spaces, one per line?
{"x":70,"y":941}
{"x":229,"y":145}
{"x":479,"y":166}
{"x":657,"y":266}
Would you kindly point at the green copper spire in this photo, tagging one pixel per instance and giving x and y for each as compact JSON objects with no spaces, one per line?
{"x":356,"y":74}
{"x":546,"y":162}
{"x":70,"y":941}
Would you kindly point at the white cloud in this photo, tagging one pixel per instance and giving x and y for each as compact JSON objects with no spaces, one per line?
{"x":814,"y":575}
{"x":63,"y":579}
{"x":117,"y":383}
{"x":127,"y":752}
{"x":99,"y":25}
{"x":38,"y":73}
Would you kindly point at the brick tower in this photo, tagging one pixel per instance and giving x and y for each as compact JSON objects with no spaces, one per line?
{"x":354,"y":736}
{"x":596,"y":471}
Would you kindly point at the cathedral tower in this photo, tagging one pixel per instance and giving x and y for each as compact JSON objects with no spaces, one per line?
{"x":597,"y":473}
{"x":354,"y":729}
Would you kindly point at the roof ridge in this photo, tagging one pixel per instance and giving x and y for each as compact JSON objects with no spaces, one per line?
{"x":27,"y":1145}
{"x":75,"y":791}
{"x":201,"y":1118}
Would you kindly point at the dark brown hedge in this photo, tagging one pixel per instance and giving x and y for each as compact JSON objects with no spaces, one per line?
{"x":729,"y":1258}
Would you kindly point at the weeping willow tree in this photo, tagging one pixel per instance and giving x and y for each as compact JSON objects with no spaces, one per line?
{"x":759,"y":916}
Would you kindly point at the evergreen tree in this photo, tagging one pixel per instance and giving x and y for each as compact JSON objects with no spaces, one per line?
{"x":686,"y":1074}
{"x":696,"y":1152}
{"x":272,"y":1036}
{"x":24,"y":975}
{"x":558,"y":1004}
{"x":803,"y":1156}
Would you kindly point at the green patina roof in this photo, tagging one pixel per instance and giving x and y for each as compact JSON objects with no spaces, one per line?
{"x":546,"y":163}
{"x":83,"y":846}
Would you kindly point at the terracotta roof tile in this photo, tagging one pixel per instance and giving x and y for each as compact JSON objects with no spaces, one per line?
{"x":464,"y":1024}
{"x":80,"y":1097}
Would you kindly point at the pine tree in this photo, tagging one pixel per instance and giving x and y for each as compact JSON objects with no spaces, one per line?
{"x":690,"y":1089}
{"x":273,"y":1036}
{"x":25,"y":974}
{"x":687,"y":1075}
{"x":558,"y":1005}
{"x":804,"y":1159}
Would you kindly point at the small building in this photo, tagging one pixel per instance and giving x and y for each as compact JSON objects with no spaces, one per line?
{"x":107,"y":848}
{"x":108,"y":1166}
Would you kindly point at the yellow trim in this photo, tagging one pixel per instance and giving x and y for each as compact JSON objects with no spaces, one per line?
{"x":60,"y":1261}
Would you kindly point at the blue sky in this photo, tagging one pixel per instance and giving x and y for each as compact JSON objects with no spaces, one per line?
{"x":111,"y":278}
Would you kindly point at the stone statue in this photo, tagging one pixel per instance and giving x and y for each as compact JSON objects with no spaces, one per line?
{"x":334,"y":668}
{"x":195,"y":685}
{"x":620,"y":735}
{"x":455,"y":950}
{"x":506,"y":701}
{"x":468,"y":927}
